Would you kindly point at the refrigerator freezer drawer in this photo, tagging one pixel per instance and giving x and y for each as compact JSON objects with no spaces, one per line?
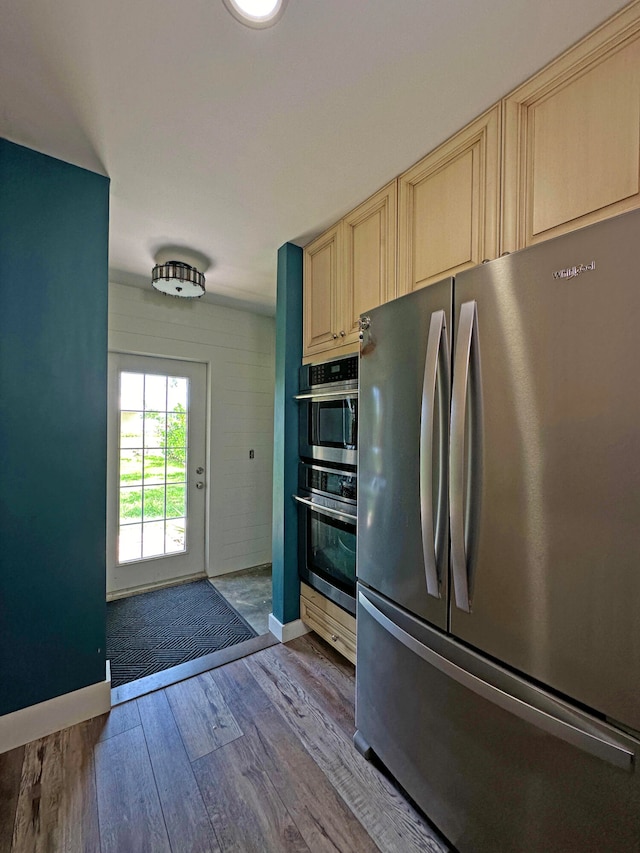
{"x":496,"y":763}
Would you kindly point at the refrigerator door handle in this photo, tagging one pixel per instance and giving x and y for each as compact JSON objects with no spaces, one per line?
{"x":459,"y":509}
{"x":571,"y":729}
{"x":437,"y":357}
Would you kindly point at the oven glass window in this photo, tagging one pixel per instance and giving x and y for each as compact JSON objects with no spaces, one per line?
{"x":331,"y":547}
{"x":334,"y":423}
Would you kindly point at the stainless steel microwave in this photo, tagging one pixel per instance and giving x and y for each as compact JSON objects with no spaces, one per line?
{"x":328,"y":401}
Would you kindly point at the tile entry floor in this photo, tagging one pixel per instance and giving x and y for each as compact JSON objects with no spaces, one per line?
{"x":249,"y":591}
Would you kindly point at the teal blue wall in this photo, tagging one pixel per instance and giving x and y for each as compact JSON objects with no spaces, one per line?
{"x":286,"y":585}
{"x":53,"y":351}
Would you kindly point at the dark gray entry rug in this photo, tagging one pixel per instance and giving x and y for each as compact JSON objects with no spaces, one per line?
{"x":156,"y":630}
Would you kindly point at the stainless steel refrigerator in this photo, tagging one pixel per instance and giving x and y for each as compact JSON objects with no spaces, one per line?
{"x":498,"y":561}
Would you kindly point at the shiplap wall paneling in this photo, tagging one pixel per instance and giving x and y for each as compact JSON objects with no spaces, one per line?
{"x":238,"y":348}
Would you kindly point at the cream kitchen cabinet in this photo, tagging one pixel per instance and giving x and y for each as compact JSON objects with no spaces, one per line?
{"x":347,"y":270}
{"x":572,"y":137}
{"x":328,"y":620}
{"x":369,"y":257}
{"x":321,"y":292}
{"x":560,"y":152}
{"x":449,"y":204}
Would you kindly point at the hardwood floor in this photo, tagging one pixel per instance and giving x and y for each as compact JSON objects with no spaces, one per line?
{"x":253,"y":756}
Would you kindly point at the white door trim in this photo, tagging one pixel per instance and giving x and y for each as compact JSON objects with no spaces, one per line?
{"x":135,"y":576}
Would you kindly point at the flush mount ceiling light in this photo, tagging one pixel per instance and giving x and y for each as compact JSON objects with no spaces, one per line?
{"x":256,"y":13}
{"x":177,"y":272}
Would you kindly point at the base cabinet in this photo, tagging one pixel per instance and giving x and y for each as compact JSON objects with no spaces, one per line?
{"x":328,"y":621}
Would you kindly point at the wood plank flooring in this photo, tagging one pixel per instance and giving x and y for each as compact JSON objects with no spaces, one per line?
{"x":253,"y":756}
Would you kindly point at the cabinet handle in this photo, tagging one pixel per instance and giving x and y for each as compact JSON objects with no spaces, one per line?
{"x":334,"y":637}
{"x":342,"y":334}
{"x":334,"y":337}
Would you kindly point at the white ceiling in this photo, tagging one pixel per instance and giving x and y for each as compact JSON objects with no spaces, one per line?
{"x":231,"y":140}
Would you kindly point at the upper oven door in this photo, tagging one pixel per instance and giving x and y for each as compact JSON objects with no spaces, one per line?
{"x":329,"y":426}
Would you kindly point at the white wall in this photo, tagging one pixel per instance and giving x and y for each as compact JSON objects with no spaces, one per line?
{"x":239,"y":350}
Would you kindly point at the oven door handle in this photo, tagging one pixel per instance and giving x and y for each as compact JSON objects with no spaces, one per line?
{"x":327,"y":395}
{"x":326,"y":510}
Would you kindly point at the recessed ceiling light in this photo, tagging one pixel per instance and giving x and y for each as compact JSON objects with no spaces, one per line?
{"x":256,"y":13}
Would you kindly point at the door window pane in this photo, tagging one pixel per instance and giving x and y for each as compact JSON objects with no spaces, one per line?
{"x":176,"y":471}
{"x":153,"y":454}
{"x":153,"y":502}
{"x":154,"y":466}
{"x":130,"y":467}
{"x":155,"y":393}
{"x":175,"y":535}
{"x":177,"y":394}
{"x":175,"y":501}
{"x":131,"y":426}
{"x":155,"y":426}
{"x":130,"y":505}
{"x":153,"y":539}
{"x":132,"y":391}
{"x":130,"y":543}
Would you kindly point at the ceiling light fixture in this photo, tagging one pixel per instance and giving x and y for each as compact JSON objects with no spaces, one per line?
{"x":256,"y":13}
{"x":176,"y":273}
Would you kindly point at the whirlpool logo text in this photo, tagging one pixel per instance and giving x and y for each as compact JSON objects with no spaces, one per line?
{"x":573,"y":272}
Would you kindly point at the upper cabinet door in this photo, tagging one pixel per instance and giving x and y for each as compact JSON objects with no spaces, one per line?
{"x":572,"y":138}
{"x":369,"y":264}
{"x":321,"y":269}
{"x":449,"y":206}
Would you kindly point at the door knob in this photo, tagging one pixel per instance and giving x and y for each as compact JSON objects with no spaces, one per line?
{"x":199,"y":485}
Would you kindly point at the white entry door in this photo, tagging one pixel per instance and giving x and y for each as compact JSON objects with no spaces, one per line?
{"x":156,"y":471}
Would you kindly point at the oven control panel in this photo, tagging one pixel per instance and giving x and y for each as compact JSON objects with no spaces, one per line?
{"x":339,"y":370}
{"x":341,"y":484}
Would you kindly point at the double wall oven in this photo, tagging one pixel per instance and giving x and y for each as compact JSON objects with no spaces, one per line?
{"x":327,"y":479}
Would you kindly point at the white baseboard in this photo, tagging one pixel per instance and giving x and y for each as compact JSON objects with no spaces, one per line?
{"x":234,"y":570}
{"x":288,"y":631}
{"x":150,"y":587}
{"x":45,"y":718}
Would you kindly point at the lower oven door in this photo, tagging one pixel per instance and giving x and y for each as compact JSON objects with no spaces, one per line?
{"x":327,"y":548}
